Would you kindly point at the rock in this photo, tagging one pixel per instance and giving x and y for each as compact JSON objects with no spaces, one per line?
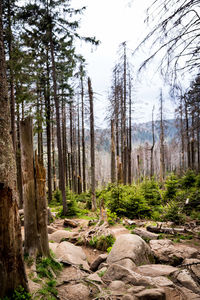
{"x":128,"y":297}
{"x":117,"y":285}
{"x":188,"y":295}
{"x":71,"y":254}
{"x":74,"y":292}
{"x":166,"y":251}
{"x":60,"y":235}
{"x":187,"y":281}
{"x":151,"y":294}
{"x":53,"y":246}
{"x":136,"y":289}
{"x":70,"y":223}
{"x":117,"y":272}
{"x":143,"y":233}
{"x":21,"y":212}
{"x":100,"y":259}
{"x":51,"y":229}
{"x":138,"y":250}
{"x":127,"y":263}
{"x":70,"y":273}
{"x":33,"y":286}
{"x":103,"y":265}
{"x":195,"y":268}
{"x":95,"y":277}
{"x":155,"y":270}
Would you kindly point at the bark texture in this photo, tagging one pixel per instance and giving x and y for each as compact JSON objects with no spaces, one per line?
{"x":12,"y":272}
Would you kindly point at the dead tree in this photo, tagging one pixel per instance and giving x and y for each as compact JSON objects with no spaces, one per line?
{"x":92,"y":145}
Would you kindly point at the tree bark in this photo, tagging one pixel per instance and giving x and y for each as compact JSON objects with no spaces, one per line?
{"x":83,"y":135}
{"x":92,"y":145}
{"x":113,"y":164}
{"x":41,"y":206}
{"x":12,"y":271}
{"x":59,"y":144}
{"x":30,"y":216}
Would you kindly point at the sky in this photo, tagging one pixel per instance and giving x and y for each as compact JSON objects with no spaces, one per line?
{"x":113,"y":22}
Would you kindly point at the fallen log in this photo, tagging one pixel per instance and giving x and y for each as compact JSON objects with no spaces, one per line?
{"x":166,"y":230}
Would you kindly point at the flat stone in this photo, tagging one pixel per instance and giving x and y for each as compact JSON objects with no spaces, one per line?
{"x":151,"y":294}
{"x":156,"y":270}
{"x":127,"y":263}
{"x":51,"y":229}
{"x":136,"y":289}
{"x":68,"y":253}
{"x":195,"y":268}
{"x":128,"y":297}
{"x":117,"y":272}
{"x":60,"y":235}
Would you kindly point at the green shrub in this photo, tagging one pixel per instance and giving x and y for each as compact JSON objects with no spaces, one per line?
{"x":171,"y":187}
{"x":150,"y":190}
{"x":102,"y":242}
{"x":19,"y":294}
{"x":47,"y":266}
{"x":188,"y":180}
{"x":111,"y":217}
{"x":57,"y":197}
{"x":173,"y":212}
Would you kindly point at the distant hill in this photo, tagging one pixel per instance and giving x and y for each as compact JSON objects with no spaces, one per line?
{"x":141,"y":133}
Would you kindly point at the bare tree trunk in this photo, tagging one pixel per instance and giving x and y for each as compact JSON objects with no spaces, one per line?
{"x":129,"y":135}
{"x":124,"y":119}
{"x":59,"y":144}
{"x":41,"y":206}
{"x":18,"y":161}
{"x":153,"y":144}
{"x":79,"y":156}
{"x":83,"y":135}
{"x":162,"y":162}
{"x":30,"y":216}
{"x":92,"y":146}
{"x":53,"y":158}
{"x":48,"y":130}
{"x":12,"y":271}
{"x":193,"y":143}
{"x":187,"y":134}
{"x":113,"y":164}
{"x":182,"y":137}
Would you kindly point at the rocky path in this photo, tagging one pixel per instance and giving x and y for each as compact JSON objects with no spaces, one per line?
{"x":133,"y":270}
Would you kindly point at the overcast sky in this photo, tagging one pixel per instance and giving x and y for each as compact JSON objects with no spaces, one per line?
{"x":113,"y":22}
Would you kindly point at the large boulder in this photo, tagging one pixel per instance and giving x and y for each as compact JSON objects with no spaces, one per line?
{"x":117,"y":272}
{"x":168,"y":252}
{"x":130,"y":246}
{"x":77,"y":291}
{"x":72,"y":255}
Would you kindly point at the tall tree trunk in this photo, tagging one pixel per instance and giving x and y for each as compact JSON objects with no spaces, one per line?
{"x":124,"y":119}
{"x":79,"y":156}
{"x":12,"y":271}
{"x":187,"y":134}
{"x":72,"y":155}
{"x":64,"y":140}
{"x":162,"y":162}
{"x":48,"y":129}
{"x":92,"y":145}
{"x":153,"y":144}
{"x":41,"y":206}
{"x":30,"y":215}
{"x":59,"y":144}
{"x":129,"y":135}
{"x":182,"y":136}
{"x":113,"y":164}
{"x":11,"y":79}
{"x":83,"y":135}
{"x":18,"y":161}
{"x":53,"y":157}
